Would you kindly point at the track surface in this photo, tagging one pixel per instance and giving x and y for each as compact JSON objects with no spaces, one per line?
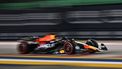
{"x":115,"y":48}
{"x":47,"y":67}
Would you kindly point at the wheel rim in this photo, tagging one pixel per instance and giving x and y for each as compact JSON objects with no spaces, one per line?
{"x":68,"y":47}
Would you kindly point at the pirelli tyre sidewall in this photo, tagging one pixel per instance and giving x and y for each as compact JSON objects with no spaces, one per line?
{"x":69,"y":48}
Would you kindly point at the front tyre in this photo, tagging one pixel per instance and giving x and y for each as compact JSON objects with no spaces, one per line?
{"x":69,"y":48}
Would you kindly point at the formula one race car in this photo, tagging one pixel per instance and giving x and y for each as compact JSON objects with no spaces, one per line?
{"x":50,"y":44}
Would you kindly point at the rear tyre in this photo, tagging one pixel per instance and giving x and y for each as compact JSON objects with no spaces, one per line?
{"x":23,"y":48}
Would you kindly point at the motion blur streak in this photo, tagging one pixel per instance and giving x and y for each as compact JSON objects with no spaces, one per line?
{"x":113,"y":46}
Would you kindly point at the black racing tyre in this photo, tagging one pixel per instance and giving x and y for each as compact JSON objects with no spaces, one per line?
{"x":69,"y":48}
{"x":92,"y":42}
{"x":23,"y":48}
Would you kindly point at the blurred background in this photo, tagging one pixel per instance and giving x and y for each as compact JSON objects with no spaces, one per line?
{"x":79,"y":19}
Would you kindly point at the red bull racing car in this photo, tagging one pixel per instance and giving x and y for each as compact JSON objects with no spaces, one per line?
{"x":51,"y":44}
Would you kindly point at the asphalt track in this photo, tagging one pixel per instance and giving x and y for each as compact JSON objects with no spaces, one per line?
{"x":115,"y":48}
{"x":47,"y":67}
